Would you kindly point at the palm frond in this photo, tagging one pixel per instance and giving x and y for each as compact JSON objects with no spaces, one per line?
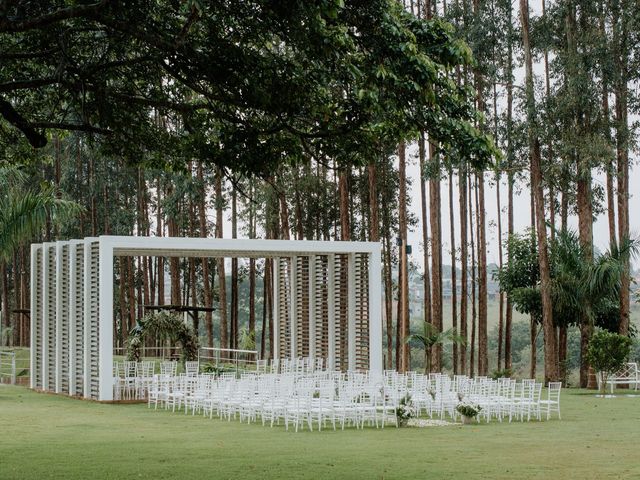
{"x":24,"y":214}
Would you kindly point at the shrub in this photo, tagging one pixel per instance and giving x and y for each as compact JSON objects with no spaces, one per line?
{"x":607,"y":353}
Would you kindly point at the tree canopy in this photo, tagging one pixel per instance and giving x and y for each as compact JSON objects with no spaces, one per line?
{"x":246,"y":85}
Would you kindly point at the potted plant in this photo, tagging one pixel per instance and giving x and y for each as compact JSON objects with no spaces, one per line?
{"x":405,"y":410}
{"x":469,"y":411}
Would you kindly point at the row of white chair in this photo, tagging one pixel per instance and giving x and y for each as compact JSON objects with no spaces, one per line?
{"x":352,"y":399}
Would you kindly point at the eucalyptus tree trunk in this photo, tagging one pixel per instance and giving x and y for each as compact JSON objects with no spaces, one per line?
{"x":206,"y":281}
{"x":234,"y":271}
{"x":510,"y":176}
{"x":550,"y":342}
{"x":464,"y":262}
{"x":426,"y":279}
{"x":454,"y":291}
{"x":403,"y":318}
{"x":222,"y":293}
{"x":472,"y":346}
{"x":159,"y":233}
{"x":621,"y":16}
{"x":436,"y":252}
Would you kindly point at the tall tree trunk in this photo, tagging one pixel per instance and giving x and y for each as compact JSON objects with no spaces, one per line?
{"x":454,"y":285}
{"x":510,"y":181}
{"x":464,"y":262}
{"x":426,"y":279}
{"x":436,"y":253}
{"x":234,"y":271}
{"x":206,"y":281}
{"x":159,"y":233}
{"x":550,"y":345}
{"x":403,"y":319}
{"x":220,"y":270}
{"x":621,"y":16}
{"x":472,"y":347}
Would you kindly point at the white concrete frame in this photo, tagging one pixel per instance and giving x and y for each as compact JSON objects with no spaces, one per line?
{"x":86,"y":307}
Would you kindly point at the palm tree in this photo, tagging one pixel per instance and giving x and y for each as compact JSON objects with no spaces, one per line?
{"x":430,"y":337}
{"x":24,"y":212}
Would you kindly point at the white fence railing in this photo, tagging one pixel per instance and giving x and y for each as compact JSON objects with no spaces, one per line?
{"x":8,"y":366}
{"x":228,"y":356}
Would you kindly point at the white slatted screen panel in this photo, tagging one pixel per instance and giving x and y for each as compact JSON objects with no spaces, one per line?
{"x":302,"y":306}
{"x":36,"y":323}
{"x":94,"y":312}
{"x":341,"y":312}
{"x":64,"y":321}
{"x":78,"y":335}
{"x":50,"y":305}
{"x":321,"y":279}
{"x":283,"y":320}
{"x":362,"y":311}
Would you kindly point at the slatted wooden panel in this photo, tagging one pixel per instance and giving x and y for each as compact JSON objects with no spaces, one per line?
{"x":302,"y":306}
{"x":78,"y":335}
{"x":51,"y":319}
{"x":341,"y":312}
{"x":36,"y":368}
{"x":94,"y":306}
{"x":63,"y":278}
{"x":284,"y":332}
{"x":362,"y":311}
{"x":321,"y":279}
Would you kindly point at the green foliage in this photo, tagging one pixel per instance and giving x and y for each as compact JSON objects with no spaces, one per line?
{"x":607,"y":353}
{"x":506,"y":373}
{"x":468,"y":409}
{"x":25,"y":210}
{"x":432,"y":336}
{"x":580,"y":288}
{"x":164,"y":82}
{"x":163,"y":326}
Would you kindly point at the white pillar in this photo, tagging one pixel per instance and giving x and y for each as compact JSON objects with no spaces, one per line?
{"x":293,"y":307}
{"x":45,"y":316}
{"x":105,"y":322}
{"x":36,"y":289}
{"x":58,"y":319}
{"x":72,"y":318}
{"x":86,"y":389}
{"x":331,"y":312}
{"x":351,"y":310}
{"x":312,"y":306}
{"x":375,"y":313}
{"x":276,"y":307}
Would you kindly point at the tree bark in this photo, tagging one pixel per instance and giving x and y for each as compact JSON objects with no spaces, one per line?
{"x":403,"y":318}
{"x":550,"y":343}
{"x":436,"y":252}
{"x":220,"y":270}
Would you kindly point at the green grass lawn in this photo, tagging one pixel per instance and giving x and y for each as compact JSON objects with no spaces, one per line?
{"x":48,"y":436}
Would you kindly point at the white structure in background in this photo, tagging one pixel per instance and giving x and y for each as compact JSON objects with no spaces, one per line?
{"x":326,"y":303}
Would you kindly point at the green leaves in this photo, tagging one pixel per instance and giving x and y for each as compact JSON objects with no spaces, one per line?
{"x":233,"y":82}
{"x":25,"y":211}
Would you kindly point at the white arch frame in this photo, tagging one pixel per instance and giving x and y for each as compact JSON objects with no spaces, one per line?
{"x":72,"y":303}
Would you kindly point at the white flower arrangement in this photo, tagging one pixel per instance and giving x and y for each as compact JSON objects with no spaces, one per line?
{"x":405,"y":410}
{"x":467,"y":409}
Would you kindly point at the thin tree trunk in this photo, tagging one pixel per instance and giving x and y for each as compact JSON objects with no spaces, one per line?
{"x":464,"y":263}
{"x":222,"y":284}
{"x":436,"y":253}
{"x":550,"y":343}
{"x":206,"y":285}
{"x":403,"y":319}
{"x":426,"y":279}
{"x":454,"y":286}
{"x":472,"y":348}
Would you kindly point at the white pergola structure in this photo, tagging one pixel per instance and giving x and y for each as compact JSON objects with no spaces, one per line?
{"x":327,"y":300}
